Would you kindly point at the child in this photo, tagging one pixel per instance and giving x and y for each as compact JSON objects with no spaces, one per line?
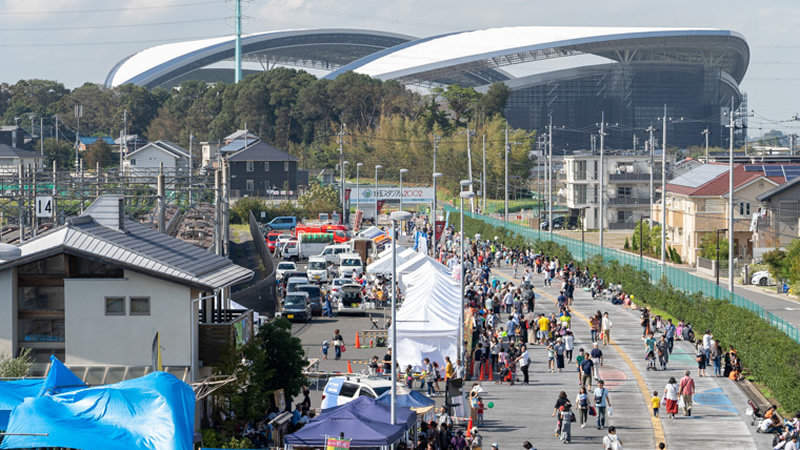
{"x":656,"y":403}
{"x":551,"y":358}
{"x":325,"y":346}
{"x":480,"y":411}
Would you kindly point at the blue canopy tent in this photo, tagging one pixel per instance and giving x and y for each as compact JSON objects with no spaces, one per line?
{"x":369,"y":408}
{"x":13,"y":393}
{"x":152,"y":412}
{"x":407,"y":398}
{"x":361,"y":431}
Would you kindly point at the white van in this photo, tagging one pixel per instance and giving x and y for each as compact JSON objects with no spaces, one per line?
{"x":317,"y":269}
{"x":332,"y":252}
{"x":350,"y":265}
{"x":341,"y":390}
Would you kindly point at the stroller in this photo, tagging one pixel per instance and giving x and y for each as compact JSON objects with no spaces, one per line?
{"x":650,"y":357}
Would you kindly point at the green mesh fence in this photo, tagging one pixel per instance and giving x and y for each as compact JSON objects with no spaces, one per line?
{"x":680,"y":279}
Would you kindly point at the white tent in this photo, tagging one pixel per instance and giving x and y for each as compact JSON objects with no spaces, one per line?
{"x":383,"y":265}
{"x":371,"y":232}
{"x":428,"y":321}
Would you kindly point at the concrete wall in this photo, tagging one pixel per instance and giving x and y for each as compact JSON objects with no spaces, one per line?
{"x":8,"y":312}
{"x":92,"y":338}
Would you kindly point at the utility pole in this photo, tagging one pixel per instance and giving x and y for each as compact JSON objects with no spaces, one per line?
{"x":238,"y":49}
{"x":550,"y":176}
{"x":54,"y":192}
{"x":602,"y":177}
{"x":191,"y":165}
{"x":78,"y":114}
{"x":705,"y":133}
{"x":469,"y":169}
{"x":483,"y":173}
{"x":652,"y":145}
{"x":41,"y":135}
{"x":664,"y":188}
{"x":218,"y":211}
{"x":731,"y":230}
{"x":56,"y":126}
{"x":162,"y":201}
{"x":21,"y":201}
{"x":505,"y":160}
{"x":340,"y":140}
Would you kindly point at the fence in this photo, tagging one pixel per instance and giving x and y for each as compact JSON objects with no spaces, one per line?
{"x":678,"y":278}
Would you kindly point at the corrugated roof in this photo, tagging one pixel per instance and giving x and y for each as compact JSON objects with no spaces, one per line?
{"x":137,"y":247}
{"x":699,"y":181}
{"x":699,"y":175}
{"x":261,"y":151}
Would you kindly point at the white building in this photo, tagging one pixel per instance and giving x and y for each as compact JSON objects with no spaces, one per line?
{"x":95,"y":291}
{"x":147,"y":160}
{"x":626,"y":186}
{"x":12,"y":157}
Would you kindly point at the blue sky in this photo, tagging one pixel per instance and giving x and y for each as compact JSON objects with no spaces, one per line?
{"x":74,"y":41}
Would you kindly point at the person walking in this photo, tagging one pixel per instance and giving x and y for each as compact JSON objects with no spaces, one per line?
{"x":561,"y":402}
{"x":566,"y":423}
{"x":606,"y":325}
{"x":671,"y":397}
{"x":662,"y":348}
{"x":338,"y":344}
{"x":524,"y":360}
{"x":702,"y":360}
{"x":582,"y":403}
{"x":686,"y":390}
{"x":669,"y":333}
{"x":597,"y":360}
{"x":611,"y":440}
{"x":601,"y":402}
{"x":716,"y":358}
{"x":569,"y":344}
{"x":586,"y":370}
{"x":560,"y":349}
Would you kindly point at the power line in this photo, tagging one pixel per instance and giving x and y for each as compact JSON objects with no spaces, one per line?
{"x":105,"y":10}
{"x":104,"y":27}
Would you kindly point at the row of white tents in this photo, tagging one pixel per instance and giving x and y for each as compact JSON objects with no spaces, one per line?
{"x":428,"y":320}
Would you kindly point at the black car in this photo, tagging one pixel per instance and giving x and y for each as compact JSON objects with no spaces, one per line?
{"x":314,"y":296}
{"x":560,"y":223}
{"x":297,"y":307}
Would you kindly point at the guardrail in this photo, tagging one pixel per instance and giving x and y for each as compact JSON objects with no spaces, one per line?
{"x":678,"y":278}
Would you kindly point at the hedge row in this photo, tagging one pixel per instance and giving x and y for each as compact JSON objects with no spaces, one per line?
{"x":772,"y":358}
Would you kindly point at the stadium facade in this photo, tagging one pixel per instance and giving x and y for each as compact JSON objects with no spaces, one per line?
{"x":571,"y":73}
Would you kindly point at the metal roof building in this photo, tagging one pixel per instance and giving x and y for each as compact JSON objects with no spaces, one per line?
{"x":571,"y":73}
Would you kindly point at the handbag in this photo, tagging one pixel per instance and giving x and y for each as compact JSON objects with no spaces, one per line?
{"x":592,"y":411}
{"x":344,"y":349}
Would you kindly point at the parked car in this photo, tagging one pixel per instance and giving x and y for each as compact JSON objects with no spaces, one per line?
{"x":271,"y":238}
{"x":351,"y":299}
{"x":337,"y":283}
{"x":283,"y":267}
{"x":282,"y":223}
{"x":332,"y":252}
{"x":297,"y":307}
{"x":290,"y":250}
{"x":314,"y":296}
{"x":763,"y":278}
{"x":317,"y":269}
{"x":350,"y":264}
{"x":560,"y":223}
{"x":293,"y":282}
{"x":341,"y":390}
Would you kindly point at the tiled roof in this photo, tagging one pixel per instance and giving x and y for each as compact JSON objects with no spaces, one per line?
{"x":261,"y":152}
{"x":712,"y":180}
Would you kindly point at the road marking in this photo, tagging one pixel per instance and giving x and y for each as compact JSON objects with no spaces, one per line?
{"x":658,"y":429}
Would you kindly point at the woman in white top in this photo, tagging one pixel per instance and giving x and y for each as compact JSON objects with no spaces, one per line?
{"x":671,"y":397}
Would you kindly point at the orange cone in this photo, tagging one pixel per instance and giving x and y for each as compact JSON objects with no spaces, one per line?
{"x":491,"y":372}
{"x":358,"y":342}
{"x":482,"y":370}
{"x":469,"y":427}
{"x":349,"y":367}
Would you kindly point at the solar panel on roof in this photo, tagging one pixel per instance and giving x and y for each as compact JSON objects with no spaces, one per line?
{"x":751,"y":168}
{"x":773,"y":171}
{"x":789,"y":178}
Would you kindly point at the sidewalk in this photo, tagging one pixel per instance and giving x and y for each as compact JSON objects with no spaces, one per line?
{"x":717,"y":420}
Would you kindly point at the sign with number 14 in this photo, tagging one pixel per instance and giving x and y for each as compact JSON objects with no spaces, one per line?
{"x":44,"y":206}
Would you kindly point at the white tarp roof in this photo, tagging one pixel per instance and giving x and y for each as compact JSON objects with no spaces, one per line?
{"x":428,"y":321}
{"x":371,"y":232}
{"x":384,"y":262}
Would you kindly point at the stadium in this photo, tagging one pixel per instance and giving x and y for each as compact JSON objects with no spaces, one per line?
{"x":571,"y":73}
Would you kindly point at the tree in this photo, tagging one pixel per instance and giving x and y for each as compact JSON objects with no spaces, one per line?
{"x":496,"y":98}
{"x":708,"y":247}
{"x":98,"y":152}
{"x":461,"y":101}
{"x":272,"y":360}
{"x":16,"y":367}
{"x":241,"y":209}
{"x":63,"y":153}
{"x":319,"y":199}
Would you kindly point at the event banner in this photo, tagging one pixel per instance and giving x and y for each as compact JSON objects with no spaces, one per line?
{"x":337,"y":444}
{"x":367,"y":194}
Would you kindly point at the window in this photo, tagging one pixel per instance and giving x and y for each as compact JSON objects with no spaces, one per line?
{"x":133,"y":161}
{"x":624,"y":192}
{"x":266,"y":166}
{"x":744,"y":208}
{"x":594,"y":193}
{"x":140,"y":306}
{"x":115,"y":306}
{"x":348,"y":390}
{"x":41,"y":298}
{"x":580,"y":170}
{"x":249,"y":166}
{"x":286,"y":166}
{"x":595,"y":170}
{"x":249,"y":185}
{"x":580,"y":193}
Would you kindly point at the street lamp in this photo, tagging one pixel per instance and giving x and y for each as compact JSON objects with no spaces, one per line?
{"x":402,"y":171}
{"x":433,"y":214}
{"x":468,"y":194}
{"x":377,"y":166}
{"x":397,"y":216}
{"x":344,"y":192}
{"x":358,"y":199}
{"x":729,"y":262}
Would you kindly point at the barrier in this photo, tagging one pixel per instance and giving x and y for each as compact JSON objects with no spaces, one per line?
{"x":678,"y":278}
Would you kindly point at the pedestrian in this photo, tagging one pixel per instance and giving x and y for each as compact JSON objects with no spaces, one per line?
{"x":476,"y":442}
{"x":662,"y":348}
{"x":700,"y":357}
{"x":561,"y":401}
{"x":686,"y":391}
{"x":587,"y":368}
{"x":597,"y":360}
{"x":569,"y":344}
{"x":338,"y":344}
{"x":582,"y":403}
{"x":650,"y":351}
{"x":611,"y":441}
{"x":524,"y":360}
{"x":671,"y":397}
{"x":670,"y":332}
{"x":606,"y":325}
{"x":481,"y":409}
{"x":559,"y":350}
{"x":656,"y":403}
{"x":601,"y":403}
{"x":325,"y":346}
{"x":551,"y":357}
{"x":566,"y":424}
{"x":716,"y":358}
{"x":708,"y":339}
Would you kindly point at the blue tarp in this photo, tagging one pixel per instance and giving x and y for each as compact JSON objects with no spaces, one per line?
{"x":409,"y":399}
{"x":371,"y":409}
{"x":13,"y":393}
{"x":60,"y":379}
{"x":152,"y":412}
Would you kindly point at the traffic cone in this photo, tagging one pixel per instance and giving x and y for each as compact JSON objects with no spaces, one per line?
{"x":371,"y":343}
{"x":469,"y":427}
{"x":491,"y":372}
{"x":349,"y":367}
{"x":358,"y":342}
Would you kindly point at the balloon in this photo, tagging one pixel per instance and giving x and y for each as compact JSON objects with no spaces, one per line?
{"x":491,"y":405}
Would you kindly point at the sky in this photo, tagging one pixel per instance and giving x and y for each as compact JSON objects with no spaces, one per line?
{"x":75,"y":41}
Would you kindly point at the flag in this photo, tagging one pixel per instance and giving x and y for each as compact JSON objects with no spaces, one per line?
{"x":156,"y":352}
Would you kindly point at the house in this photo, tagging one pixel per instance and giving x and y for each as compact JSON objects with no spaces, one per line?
{"x":96,"y":290}
{"x":626,"y":181}
{"x":209,"y":153}
{"x":684,"y":165}
{"x":697,"y":204}
{"x":11,"y":157}
{"x":777,"y":222}
{"x":240,"y":135}
{"x":14,"y":136}
{"x":148,"y":160}
{"x":86,"y":141}
{"x":130,"y":142}
{"x":259,"y":168}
